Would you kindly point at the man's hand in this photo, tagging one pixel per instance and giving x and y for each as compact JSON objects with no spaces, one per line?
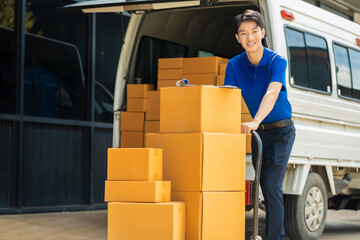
{"x":247,"y":127}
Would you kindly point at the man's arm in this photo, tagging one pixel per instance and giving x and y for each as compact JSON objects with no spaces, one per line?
{"x":266,"y":105}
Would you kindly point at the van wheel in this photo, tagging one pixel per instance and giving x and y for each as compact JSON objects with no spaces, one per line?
{"x":305,"y":215}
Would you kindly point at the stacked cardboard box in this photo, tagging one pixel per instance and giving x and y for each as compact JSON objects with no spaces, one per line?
{"x":139,"y":201}
{"x":133,"y":120}
{"x":199,"y":71}
{"x":152,"y":116}
{"x":204,"y":158}
{"x":169,"y":71}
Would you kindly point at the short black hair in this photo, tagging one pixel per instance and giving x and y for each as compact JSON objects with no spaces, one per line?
{"x":248,"y":15}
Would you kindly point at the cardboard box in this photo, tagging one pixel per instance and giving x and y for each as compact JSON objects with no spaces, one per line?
{"x":132,"y":121}
{"x":222,"y":68}
{"x":202,"y":65}
{"x":166,"y":63}
{"x":244,"y":108}
{"x":166,"y":83}
{"x":200,"y":109}
{"x":136,"y":104}
{"x":166,"y":74}
{"x":130,"y":139}
{"x":220,"y":80}
{"x":153,"y":105}
{"x":152,"y":126}
{"x":246,"y":117}
{"x":146,"y":221}
{"x":248,"y":144}
{"x":213,"y":215}
{"x":137,"y":191}
{"x":202,"y":161}
{"x":140,"y":164}
{"x":200,"y":79}
{"x":138,"y":90}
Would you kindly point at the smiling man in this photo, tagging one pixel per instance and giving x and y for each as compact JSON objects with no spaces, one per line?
{"x":260,"y":74}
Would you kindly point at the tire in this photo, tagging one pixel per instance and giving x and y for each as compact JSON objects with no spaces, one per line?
{"x":303,"y":220}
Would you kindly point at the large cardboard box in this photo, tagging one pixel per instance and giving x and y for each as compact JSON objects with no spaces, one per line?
{"x":202,"y":65}
{"x":132,"y":121}
{"x":166,"y":63}
{"x":202,"y":161}
{"x":146,"y":221}
{"x":137,"y":191}
{"x":152,"y":126}
{"x":138,"y":90}
{"x":136,"y":104}
{"x":166,"y":74}
{"x":132,"y":139}
{"x":200,"y":109}
{"x":153,"y":105}
{"x":213,"y":215}
{"x":140,"y":164}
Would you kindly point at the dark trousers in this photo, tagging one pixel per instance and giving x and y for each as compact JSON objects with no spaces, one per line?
{"x":277,"y":145}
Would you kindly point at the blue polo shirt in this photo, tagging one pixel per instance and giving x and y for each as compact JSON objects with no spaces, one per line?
{"x":254,"y":81}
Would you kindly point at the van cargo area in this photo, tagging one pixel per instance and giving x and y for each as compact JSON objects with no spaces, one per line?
{"x":195,"y":32}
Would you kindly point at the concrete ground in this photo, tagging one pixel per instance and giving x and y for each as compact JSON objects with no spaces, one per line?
{"x":93,"y":225}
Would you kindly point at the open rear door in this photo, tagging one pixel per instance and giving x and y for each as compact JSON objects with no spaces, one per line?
{"x":101,"y":6}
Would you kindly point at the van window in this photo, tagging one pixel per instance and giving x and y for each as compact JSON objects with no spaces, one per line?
{"x":150,"y":50}
{"x":347,"y":71}
{"x":309,"y":61}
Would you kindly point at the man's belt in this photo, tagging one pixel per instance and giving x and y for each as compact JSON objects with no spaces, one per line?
{"x":276,"y":124}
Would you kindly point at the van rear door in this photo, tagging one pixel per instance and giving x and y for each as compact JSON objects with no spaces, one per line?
{"x":97,"y":6}
{"x":102,"y":6}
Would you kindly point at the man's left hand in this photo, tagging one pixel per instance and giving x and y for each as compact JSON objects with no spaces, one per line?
{"x":247,"y":127}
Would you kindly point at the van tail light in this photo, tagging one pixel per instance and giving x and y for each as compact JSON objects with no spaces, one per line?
{"x":287,"y":15}
{"x":358,"y":41}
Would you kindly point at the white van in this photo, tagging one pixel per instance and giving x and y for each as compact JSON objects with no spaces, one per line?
{"x":323,"y":77}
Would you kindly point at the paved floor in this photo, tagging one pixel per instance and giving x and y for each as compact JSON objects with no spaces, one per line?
{"x":55,"y":226}
{"x":92,"y":225}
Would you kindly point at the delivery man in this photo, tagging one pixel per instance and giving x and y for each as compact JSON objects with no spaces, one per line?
{"x":260,"y":74}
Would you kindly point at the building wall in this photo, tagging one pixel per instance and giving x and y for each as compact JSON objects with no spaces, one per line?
{"x":56,"y":111}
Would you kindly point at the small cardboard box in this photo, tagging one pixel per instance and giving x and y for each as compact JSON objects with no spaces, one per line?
{"x":213,"y":215}
{"x":153,"y":105}
{"x":135,"y":164}
{"x":146,"y":221}
{"x":166,"y":74}
{"x":138,"y":90}
{"x":222,"y":68}
{"x":152,"y":126}
{"x":132,"y":121}
{"x":166,"y":83}
{"x":220,"y":80}
{"x":200,"y":109}
{"x":132,"y":139}
{"x":248,"y":144}
{"x":137,"y":191}
{"x":202,"y":161}
{"x":136,"y":104}
{"x":166,"y":63}
{"x":244,"y":108}
{"x":246,"y":117}
{"x":202,"y":65}
{"x":201,"y":79}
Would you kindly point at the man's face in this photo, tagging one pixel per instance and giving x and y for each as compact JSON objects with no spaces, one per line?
{"x":250,"y":35}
